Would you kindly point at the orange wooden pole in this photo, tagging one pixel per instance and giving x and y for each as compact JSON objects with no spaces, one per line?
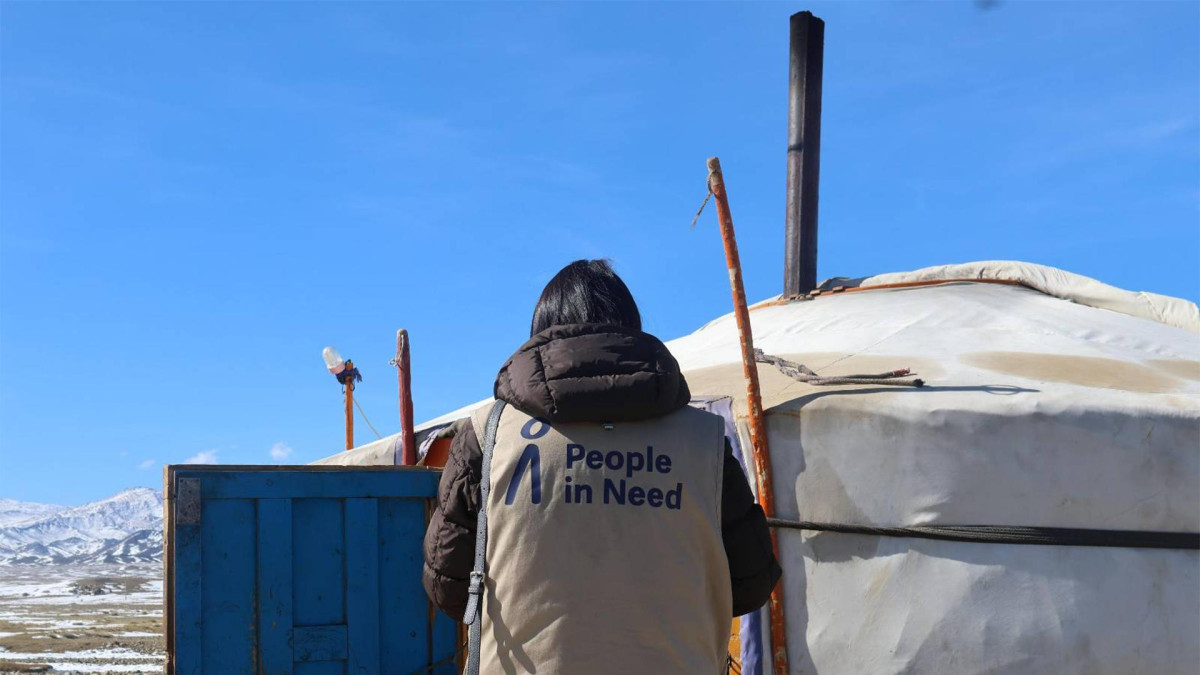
{"x":349,"y":391}
{"x":758,"y":429}
{"x":408,"y":443}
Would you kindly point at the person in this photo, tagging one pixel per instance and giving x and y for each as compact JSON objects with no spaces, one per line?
{"x":622,"y":536}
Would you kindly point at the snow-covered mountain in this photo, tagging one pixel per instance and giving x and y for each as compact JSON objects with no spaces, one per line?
{"x":126,"y":527}
{"x":141,"y":546}
{"x":13,"y":511}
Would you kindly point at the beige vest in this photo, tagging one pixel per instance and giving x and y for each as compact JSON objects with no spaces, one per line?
{"x":604,"y":551}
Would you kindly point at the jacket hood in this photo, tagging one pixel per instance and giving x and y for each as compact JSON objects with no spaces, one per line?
{"x":593,"y":373}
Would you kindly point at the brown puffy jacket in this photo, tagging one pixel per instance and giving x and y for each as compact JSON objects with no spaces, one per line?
{"x":588,"y":373}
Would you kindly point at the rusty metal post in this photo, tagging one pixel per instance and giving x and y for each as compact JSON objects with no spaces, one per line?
{"x":806,"y":63}
{"x":408,"y":444}
{"x":348,"y":389}
{"x":758,"y":429}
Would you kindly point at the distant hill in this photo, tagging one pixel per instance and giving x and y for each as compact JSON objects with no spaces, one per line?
{"x":124,"y":528}
{"x":13,"y":511}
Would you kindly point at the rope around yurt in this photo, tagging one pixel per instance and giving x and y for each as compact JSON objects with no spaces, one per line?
{"x":988,"y":534}
{"x":801,"y":373}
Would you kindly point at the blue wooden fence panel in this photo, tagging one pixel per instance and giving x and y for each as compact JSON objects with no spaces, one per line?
{"x":188,"y":625}
{"x":302,"y":571}
{"x":362,"y":585}
{"x":400,"y":559}
{"x":275,"y":586}
{"x":228,"y":561}
{"x":318,"y":562}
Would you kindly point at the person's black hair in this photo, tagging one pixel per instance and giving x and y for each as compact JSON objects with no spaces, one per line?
{"x":586,"y":291}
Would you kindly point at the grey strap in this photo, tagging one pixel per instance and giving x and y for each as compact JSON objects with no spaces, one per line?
{"x":473,"y":616}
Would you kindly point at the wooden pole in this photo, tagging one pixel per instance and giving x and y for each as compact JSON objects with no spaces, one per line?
{"x":408,"y":444}
{"x":349,"y":391}
{"x":806,"y":63}
{"x":758,"y":429}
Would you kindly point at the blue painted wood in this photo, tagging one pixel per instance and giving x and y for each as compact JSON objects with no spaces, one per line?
{"x":285,"y":484}
{"x":228,"y":624}
{"x":188,"y":605}
{"x":404,"y":622}
{"x":444,"y":643}
{"x":267,"y":582}
{"x":321,"y":668}
{"x":318,"y":563}
{"x":320,"y":643}
{"x":362,"y":585}
{"x":275,"y":586}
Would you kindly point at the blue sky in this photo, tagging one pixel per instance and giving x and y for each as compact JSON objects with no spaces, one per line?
{"x":196,"y":198}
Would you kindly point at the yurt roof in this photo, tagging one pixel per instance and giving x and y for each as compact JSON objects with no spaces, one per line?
{"x":1033,"y":336}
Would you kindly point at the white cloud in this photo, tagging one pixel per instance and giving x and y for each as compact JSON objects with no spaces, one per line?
{"x":147,"y":464}
{"x":280,"y":451}
{"x":124,"y":453}
{"x":206,"y":457}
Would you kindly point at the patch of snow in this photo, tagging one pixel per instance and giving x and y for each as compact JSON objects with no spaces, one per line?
{"x":99,"y":667}
{"x":39,"y":623}
{"x":121,"y":653}
{"x":106,"y":599}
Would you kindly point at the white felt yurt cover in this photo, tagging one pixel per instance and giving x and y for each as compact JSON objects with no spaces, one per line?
{"x":1039,"y":411}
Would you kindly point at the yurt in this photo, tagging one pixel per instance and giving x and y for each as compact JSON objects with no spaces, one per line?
{"x":1033,"y":506}
{"x":1051,"y":403}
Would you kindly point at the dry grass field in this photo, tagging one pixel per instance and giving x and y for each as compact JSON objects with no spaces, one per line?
{"x":87,"y":619}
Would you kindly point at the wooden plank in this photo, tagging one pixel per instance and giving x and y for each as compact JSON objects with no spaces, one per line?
{"x":362,"y":585}
{"x":444,"y":643}
{"x":320,"y":643}
{"x":403,"y":610}
{"x":302,"y":468}
{"x":403,"y":362}
{"x":318,"y":559}
{"x":325,"y":558}
{"x":188,"y":604}
{"x":275,"y":586}
{"x":168,"y":572}
{"x":228,"y":623}
{"x":289,"y":484}
{"x":320,"y":668}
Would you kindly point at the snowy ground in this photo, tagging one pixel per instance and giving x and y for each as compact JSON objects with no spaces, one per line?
{"x":81,"y":619}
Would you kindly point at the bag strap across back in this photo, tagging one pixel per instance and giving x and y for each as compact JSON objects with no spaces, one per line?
{"x":474,"y":614}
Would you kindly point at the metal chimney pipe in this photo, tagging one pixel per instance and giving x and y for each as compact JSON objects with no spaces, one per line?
{"x":805,"y":63}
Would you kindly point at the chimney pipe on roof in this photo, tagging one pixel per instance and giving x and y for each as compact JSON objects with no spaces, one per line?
{"x":804,"y":153}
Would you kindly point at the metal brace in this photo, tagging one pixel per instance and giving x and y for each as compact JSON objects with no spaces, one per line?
{"x":187,"y":502}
